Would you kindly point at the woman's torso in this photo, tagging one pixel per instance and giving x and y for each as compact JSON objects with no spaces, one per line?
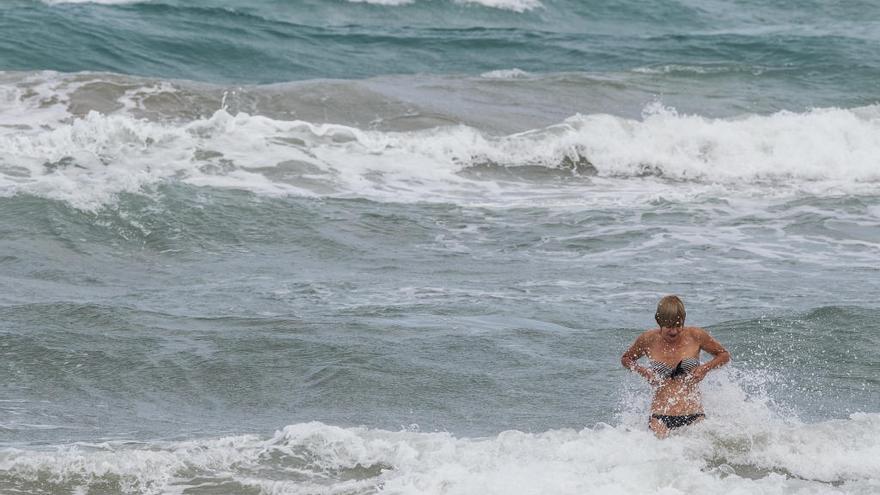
{"x":675,"y":396}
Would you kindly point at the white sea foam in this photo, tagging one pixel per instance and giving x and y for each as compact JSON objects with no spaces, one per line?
{"x":746,"y":445}
{"x":770,"y":457}
{"x":88,"y":160}
{"x":699,"y":69}
{"x":384,"y":2}
{"x":514,"y":5}
{"x":102,"y":2}
{"x":505,"y":74}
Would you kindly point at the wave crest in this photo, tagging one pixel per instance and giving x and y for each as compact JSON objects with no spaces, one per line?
{"x":87,"y":160}
{"x":832,"y":457}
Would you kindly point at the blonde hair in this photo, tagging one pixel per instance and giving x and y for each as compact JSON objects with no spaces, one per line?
{"x":670,"y":312}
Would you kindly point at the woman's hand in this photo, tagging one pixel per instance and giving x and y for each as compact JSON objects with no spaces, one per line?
{"x":654,"y":380}
{"x":698,"y":374}
{"x":649,"y":375}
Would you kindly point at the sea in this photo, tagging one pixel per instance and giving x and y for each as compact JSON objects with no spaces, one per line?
{"x":398,"y":246}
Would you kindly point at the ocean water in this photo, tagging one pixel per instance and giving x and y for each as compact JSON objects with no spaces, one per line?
{"x":398,"y":246}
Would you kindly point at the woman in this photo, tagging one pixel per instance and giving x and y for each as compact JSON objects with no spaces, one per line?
{"x":674,"y":368}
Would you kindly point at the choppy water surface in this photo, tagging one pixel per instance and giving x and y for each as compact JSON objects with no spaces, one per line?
{"x":399,"y":247}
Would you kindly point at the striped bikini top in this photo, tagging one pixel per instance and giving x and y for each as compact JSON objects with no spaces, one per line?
{"x":664,"y":371}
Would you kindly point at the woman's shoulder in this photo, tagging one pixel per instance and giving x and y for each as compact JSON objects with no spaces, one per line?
{"x":696,"y":333}
{"x":695,"y":330}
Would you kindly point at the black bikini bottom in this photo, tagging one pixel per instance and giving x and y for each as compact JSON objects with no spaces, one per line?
{"x":678,"y":421}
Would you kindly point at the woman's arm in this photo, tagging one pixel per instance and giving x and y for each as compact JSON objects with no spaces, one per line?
{"x":720,"y":356}
{"x":638,"y":349}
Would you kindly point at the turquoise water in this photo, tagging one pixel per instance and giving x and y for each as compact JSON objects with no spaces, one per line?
{"x":806,"y":54}
{"x":399,"y":247}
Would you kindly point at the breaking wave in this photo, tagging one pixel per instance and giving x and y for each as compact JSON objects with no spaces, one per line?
{"x":88,"y":158}
{"x":833,"y":457}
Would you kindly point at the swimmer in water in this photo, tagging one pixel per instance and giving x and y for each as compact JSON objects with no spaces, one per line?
{"x":674,"y":368}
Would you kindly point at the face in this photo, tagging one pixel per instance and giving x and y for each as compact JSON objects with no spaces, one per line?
{"x":670,"y":334}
